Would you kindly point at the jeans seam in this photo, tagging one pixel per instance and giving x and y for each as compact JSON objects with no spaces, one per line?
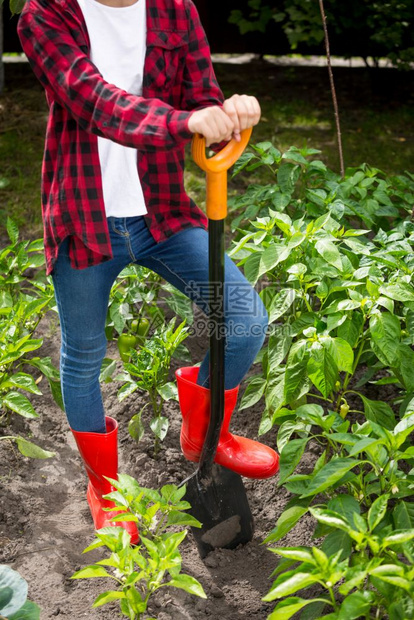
{"x":62,"y":324}
{"x":127,"y":238}
{"x":119,"y":232}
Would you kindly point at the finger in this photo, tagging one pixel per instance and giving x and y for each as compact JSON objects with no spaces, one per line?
{"x":221,"y":126}
{"x":242,"y":112}
{"x":253,"y":110}
{"x":226,"y":125}
{"x":230,"y":109}
{"x":256,"y":111}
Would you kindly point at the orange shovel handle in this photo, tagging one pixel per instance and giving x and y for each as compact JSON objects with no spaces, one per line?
{"x":216,"y":171}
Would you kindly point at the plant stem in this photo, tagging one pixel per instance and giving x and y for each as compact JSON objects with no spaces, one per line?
{"x":332,"y":595}
{"x":333,"y":90}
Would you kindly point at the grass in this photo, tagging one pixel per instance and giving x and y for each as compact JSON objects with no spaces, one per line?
{"x":377,"y":119}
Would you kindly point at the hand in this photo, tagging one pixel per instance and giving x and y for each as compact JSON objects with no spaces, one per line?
{"x":213,"y":123}
{"x":244,"y":111}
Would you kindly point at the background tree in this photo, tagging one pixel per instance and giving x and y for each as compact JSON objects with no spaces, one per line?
{"x":377,"y":29}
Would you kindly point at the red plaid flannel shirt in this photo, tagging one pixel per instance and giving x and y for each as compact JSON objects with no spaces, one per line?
{"x":178,"y":78}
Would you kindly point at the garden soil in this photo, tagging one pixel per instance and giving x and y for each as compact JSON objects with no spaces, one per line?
{"x":45,"y":522}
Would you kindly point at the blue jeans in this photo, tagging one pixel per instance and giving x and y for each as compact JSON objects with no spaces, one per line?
{"x":82,"y":297}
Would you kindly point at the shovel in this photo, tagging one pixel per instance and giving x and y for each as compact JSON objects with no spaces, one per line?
{"x":217,"y":494}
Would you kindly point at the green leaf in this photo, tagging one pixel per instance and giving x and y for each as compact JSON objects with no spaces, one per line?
{"x":27,"y":448}
{"x":299,"y":554}
{"x":135,"y":427}
{"x":280,"y":303}
{"x":12,"y":228}
{"x":329,"y":475}
{"x":356,"y":605}
{"x":286,"y":522}
{"x":341,"y":352}
{"x":345,"y":505}
{"x":13,"y":591}
{"x":19,"y":403}
{"x":90,"y":571}
{"x":399,"y":292}
{"x":189,"y":584}
{"x":329,"y":252}
{"x":56,"y":390}
{"x":406,"y":366}
{"x":181,"y":518}
{"x":253,"y":393}
{"x":287,"y":176}
{"x":290,"y":458}
{"x":275,"y":392}
{"x":363,"y":444}
{"x":291,"y":585}
{"x":290,"y":606}
{"x":396,"y":611}
{"x":336,"y":542}
{"x":108,"y":597}
{"x":398,"y":538}
{"x":278,"y":347}
{"x":22,"y":380}
{"x":385,"y":332}
{"x":168,"y":391}
{"x":295,"y":379}
{"x":16,"y":6}
{"x":379,"y":412}
{"x":108,"y":368}
{"x":159,"y":426}
{"x":331,"y":518}
{"x":377,"y":511}
{"x":45,"y":365}
{"x":403,"y":515}
{"x":322,"y":370}
{"x":29,"y":611}
{"x":394,"y":580}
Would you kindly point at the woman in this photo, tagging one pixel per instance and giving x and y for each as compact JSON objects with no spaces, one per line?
{"x":128,"y":83}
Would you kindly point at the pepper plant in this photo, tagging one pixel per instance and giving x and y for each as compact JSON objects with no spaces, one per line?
{"x":133,"y":297}
{"x":300,"y":185}
{"x":139,"y":571}
{"x":374,"y":577}
{"x":23,"y":303}
{"x":334,"y":258}
{"x":148,"y":372}
{"x":137,"y":306}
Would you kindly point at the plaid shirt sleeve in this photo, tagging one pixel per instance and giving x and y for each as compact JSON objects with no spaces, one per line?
{"x":99,"y":107}
{"x":199,"y":85}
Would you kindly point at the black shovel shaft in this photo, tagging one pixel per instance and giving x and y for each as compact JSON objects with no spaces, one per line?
{"x":217,"y":343}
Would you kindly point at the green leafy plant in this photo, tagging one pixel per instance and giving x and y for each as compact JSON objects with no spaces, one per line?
{"x":334,"y":260}
{"x":13,"y":597}
{"x":23,"y":303}
{"x":369,"y":578}
{"x":134,"y":296}
{"x":148,"y":372}
{"x":139,"y":571}
{"x":300,"y":185}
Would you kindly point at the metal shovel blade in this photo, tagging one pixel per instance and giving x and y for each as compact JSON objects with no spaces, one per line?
{"x":220,"y":503}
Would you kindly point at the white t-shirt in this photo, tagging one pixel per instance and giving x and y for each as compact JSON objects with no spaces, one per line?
{"x":118,"y":47}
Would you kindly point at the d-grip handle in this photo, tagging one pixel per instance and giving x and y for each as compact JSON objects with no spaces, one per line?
{"x":216,"y":171}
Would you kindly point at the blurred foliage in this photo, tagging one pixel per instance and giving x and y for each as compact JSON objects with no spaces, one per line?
{"x":381,"y":29}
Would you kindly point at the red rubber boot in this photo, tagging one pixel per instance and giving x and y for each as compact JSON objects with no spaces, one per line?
{"x":244,"y":456}
{"x":99,"y":452}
